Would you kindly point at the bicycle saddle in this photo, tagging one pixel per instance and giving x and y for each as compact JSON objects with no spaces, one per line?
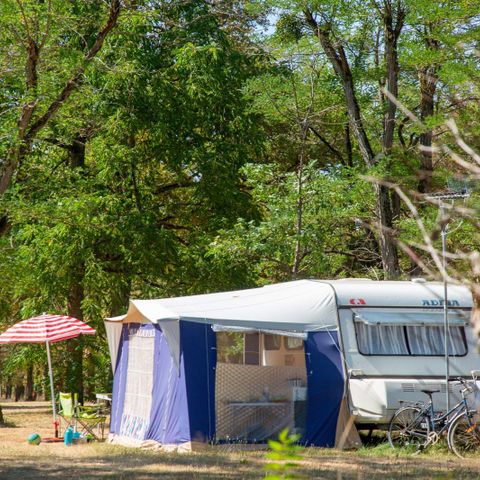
{"x":429,"y":392}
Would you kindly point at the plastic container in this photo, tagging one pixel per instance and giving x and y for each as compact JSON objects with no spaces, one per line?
{"x":68,"y":436}
{"x":79,"y":440}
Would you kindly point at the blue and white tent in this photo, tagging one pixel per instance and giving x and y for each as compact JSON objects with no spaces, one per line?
{"x":164,"y":354}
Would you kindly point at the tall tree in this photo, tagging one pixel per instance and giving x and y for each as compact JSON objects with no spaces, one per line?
{"x":32,"y":32}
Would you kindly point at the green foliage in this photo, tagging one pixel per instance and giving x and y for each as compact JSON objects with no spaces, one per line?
{"x":284,"y":457}
{"x":127,"y":184}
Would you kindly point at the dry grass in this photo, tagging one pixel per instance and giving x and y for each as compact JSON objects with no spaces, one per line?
{"x":18,"y":460}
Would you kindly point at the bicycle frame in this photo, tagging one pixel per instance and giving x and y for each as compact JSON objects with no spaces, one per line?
{"x":459,"y":409}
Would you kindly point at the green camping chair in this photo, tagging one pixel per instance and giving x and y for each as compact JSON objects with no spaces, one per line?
{"x":67,"y":405}
{"x":91,"y":421}
{"x":88,"y":420}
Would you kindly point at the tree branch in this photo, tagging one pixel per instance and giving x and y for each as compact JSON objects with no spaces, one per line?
{"x":76,"y":79}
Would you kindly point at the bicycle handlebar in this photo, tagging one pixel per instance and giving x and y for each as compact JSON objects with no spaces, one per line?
{"x":469,"y":386}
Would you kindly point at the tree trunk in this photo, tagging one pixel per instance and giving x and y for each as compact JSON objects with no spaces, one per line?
{"x":393,"y":19}
{"x":338,"y":59}
{"x":74,"y":380}
{"x":77,"y":151}
{"x":29,"y":384}
{"x":19,"y":392}
{"x":76,"y":292}
{"x":299,"y":220}
{"x":348,"y":145}
{"x":388,"y":247}
{"x":428,"y":87}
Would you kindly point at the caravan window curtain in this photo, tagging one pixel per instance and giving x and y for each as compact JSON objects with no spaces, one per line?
{"x":381,"y":332}
{"x":381,"y":339}
{"x":292,"y":343}
{"x":272,"y":342}
{"x":429,"y":340}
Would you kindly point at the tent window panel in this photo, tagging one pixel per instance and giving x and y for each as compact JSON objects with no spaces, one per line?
{"x":429,"y":340}
{"x":230,"y":346}
{"x":292,"y":343}
{"x":272,"y":342}
{"x":381,"y":339}
{"x":252,"y":349}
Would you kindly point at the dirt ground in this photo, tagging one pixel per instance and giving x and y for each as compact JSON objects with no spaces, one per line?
{"x":19,"y":460}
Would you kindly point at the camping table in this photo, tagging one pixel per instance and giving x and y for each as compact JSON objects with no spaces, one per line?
{"x":104,"y":396}
{"x":260,"y":413}
{"x":107,"y":398}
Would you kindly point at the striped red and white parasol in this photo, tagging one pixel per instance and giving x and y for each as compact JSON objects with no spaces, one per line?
{"x":47,"y":329}
{"x":51,"y":328}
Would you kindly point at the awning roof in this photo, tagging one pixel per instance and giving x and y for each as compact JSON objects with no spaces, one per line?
{"x":300,"y":306}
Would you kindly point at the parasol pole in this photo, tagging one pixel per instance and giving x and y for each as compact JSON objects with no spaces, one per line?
{"x":50,"y":373}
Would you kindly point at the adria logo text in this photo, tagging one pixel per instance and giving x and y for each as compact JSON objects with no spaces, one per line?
{"x":440,"y":303}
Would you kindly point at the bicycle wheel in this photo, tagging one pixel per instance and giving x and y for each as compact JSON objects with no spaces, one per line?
{"x":408,"y":427}
{"x":464,"y":436}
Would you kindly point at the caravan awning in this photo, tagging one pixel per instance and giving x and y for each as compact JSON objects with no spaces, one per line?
{"x":409,"y":317}
{"x":299,"y":306}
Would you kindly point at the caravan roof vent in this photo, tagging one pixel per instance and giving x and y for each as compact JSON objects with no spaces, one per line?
{"x":418,"y":280}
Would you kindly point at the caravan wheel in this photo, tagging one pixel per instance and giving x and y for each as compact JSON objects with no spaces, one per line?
{"x":409,"y":427}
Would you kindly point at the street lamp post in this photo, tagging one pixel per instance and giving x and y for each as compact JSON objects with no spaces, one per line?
{"x":441,"y":197}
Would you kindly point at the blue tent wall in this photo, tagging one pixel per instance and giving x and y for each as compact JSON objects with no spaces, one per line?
{"x":183,"y":403}
{"x":119,"y":379}
{"x":325,"y":383}
{"x":198,"y":344}
{"x":183,"y":399}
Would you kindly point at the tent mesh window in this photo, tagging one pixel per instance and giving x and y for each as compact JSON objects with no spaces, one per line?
{"x":260,"y":386}
{"x":138,"y":388}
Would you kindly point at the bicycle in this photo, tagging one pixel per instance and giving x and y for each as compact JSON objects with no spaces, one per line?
{"x":419,"y":426}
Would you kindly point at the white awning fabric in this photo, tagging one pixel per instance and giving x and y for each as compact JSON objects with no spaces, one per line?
{"x":282,"y":333}
{"x":298,"y":306}
{"x":302,"y":306}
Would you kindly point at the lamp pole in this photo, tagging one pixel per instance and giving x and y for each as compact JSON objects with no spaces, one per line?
{"x":446,"y":333}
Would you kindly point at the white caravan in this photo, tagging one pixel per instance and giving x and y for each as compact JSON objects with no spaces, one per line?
{"x":392,"y":334}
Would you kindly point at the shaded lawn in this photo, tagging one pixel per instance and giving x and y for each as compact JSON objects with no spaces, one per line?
{"x":18,"y":460}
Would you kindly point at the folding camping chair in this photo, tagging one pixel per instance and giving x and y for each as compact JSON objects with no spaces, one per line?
{"x":88,"y":420}
{"x":91,"y":421}
{"x":67,"y":406}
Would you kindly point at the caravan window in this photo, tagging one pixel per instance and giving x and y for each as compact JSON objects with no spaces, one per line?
{"x":238,"y":348}
{"x":429,"y":340}
{"x":272,"y":342}
{"x":293,"y":343}
{"x":230,"y":346}
{"x":381,"y":339}
{"x":252,"y":349}
{"x":408,"y":333}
